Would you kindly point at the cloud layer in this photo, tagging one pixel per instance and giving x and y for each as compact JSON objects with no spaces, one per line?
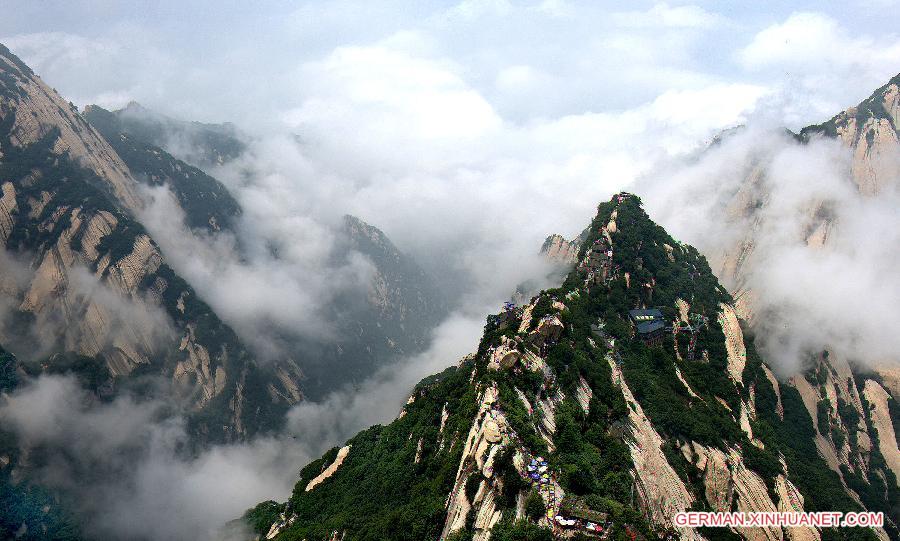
{"x":467,"y":132}
{"x":123,"y":465}
{"x":838,"y":290}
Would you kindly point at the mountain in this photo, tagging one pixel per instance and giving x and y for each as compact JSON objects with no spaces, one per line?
{"x":393,"y":319}
{"x":83,"y":277}
{"x":29,"y":511}
{"x":403,"y":299}
{"x":853,"y":408}
{"x":200,"y":144}
{"x":626,"y":395}
{"x":206,"y":202}
{"x":87,"y":291}
{"x":556,"y":248}
{"x":402,"y":303}
{"x":870,"y":132}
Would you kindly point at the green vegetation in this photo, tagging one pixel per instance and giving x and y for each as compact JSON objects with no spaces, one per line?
{"x":520,"y":530}
{"x":206,"y":202}
{"x":871,"y":107}
{"x":379,"y":493}
{"x":8,"y":376}
{"x":38,"y":173}
{"x":23,"y":502}
{"x":205,"y":144}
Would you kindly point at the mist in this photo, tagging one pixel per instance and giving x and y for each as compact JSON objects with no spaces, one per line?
{"x":127,"y":468}
{"x":821,"y":269}
{"x":467,"y":132}
{"x":106,"y":317}
{"x":124,"y":468}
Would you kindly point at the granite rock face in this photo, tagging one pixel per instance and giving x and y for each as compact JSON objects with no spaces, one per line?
{"x":82,"y":277}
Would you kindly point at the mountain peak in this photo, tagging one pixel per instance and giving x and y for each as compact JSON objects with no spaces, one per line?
{"x":15,"y":61}
{"x":872,"y":131}
{"x":31,"y":113}
{"x":881,"y":105}
{"x":626,"y":395}
{"x":134,"y":106}
{"x":202,"y":145}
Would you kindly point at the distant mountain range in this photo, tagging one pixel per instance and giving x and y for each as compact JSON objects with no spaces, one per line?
{"x":569,"y":423}
{"x":87,"y":290}
{"x":575,"y":418}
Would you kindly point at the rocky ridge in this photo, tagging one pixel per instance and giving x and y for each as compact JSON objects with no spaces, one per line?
{"x":90,"y":281}
{"x":564,"y":408}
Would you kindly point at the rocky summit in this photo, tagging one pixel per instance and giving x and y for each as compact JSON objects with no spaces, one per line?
{"x":88,"y":292}
{"x":196,"y":320}
{"x":600,"y":409}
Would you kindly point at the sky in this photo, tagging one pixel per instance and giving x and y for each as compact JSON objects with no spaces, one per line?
{"x":568,"y":100}
{"x":467,"y":131}
{"x":522,"y":60}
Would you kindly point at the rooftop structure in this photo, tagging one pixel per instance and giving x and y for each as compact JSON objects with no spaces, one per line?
{"x":649,"y":325}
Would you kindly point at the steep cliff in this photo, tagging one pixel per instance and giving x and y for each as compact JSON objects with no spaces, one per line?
{"x":557,"y":248}
{"x":575,"y":417}
{"x":401,"y":306}
{"x":390,"y":319}
{"x":82,"y":276}
{"x":206,"y":202}
{"x":197,"y":143}
{"x":872,"y":131}
{"x":831,"y":387}
{"x":869,"y":132}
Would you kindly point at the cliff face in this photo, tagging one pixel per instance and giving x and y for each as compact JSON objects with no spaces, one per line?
{"x":206,"y":202}
{"x":833,"y":391}
{"x":401,"y":305}
{"x":82,"y":276}
{"x":557,"y":248}
{"x":85,"y":289}
{"x":871,"y":131}
{"x":390,"y":319}
{"x":402,"y":298}
{"x":570,"y":416}
{"x":33,"y":112}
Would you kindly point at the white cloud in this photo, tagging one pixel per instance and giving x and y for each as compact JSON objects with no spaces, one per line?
{"x":473,"y":9}
{"x":378,"y":400}
{"x":142,"y":485}
{"x":468,"y":135}
{"x":386,"y":89}
{"x":809,"y":41}
{"x":816,"y":56}
{"x":517,"y":77}
{"x":663,"y":15}
{"x":120,"y":63}
{"x":843,"y":294}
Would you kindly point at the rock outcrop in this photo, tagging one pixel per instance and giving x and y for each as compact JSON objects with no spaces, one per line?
{"x":33,"y":112}
{"x":567,"y":423}
{"x":87,"y":280}
{"x":560,"y":250}
{"x":830,"y":387}
{"x":871,"y":131}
